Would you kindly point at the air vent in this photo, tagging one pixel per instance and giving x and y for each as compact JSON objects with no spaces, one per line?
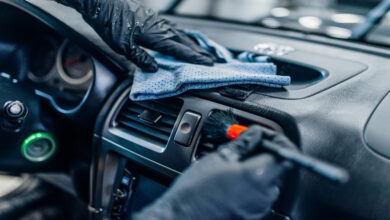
{"x":205,"y":147}
{"x":152,"y":121}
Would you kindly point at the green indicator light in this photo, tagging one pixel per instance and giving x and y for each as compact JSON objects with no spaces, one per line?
{"x":32,"y":145}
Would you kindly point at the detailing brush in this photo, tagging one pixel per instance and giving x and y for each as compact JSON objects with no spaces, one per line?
{"x":221,"y":126}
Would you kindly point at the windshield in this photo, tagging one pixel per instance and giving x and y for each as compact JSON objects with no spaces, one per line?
{"x":332,"y":18}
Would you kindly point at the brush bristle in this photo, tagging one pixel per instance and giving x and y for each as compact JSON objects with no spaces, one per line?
{"x":217,"y":124}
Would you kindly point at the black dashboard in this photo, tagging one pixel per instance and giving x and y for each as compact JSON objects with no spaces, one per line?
{"x":61,"y":71}
{"x":336,"y":89}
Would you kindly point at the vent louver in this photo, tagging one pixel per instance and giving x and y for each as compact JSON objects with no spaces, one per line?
{"x":152,"y":121}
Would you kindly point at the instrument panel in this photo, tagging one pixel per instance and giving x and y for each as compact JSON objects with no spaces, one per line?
{"x":60,"y":70}
{"x":74,"y":65}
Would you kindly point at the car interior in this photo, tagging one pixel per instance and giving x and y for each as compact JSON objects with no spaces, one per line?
{"x":73,"y":145}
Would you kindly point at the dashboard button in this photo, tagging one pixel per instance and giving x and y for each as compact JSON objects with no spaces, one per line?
{"x":187,"y":128}
{"x":15,"y":110}
{"x":38,"y":147}
{"x":120,"y":195}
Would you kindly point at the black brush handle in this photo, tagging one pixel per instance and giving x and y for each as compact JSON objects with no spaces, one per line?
{"x":327,"y":170}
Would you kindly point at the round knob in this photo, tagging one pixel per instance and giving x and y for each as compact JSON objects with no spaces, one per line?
{"x":120,"y":195}
{"x":39,"y":147}
{"x":15,"y":110}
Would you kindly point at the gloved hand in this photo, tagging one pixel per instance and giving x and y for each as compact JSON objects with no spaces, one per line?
{"x":126,"y":24}
{"x":226,"y":184}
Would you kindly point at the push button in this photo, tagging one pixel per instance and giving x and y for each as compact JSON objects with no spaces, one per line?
{"x":187,"y":128}
{"x":14,"y":112}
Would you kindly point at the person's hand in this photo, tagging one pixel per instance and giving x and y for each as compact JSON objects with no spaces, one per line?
{"x":125,"y":25}
{"x":227,"y":184}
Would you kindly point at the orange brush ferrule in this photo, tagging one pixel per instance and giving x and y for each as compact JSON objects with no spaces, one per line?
{"x":234,"y":131}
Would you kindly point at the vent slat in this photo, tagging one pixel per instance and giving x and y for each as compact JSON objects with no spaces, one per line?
{"x":159,"y":126}
{"x":135,"y":109}
{"x":171,"y":104}
{"x":158,"y":108}
{"x":170,"y":121}
{"x":129,"y":122}
{"x":146,"y":130}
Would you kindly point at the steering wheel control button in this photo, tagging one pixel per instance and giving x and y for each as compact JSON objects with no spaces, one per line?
{"x":187,"y":128}
{"x":38,"y":147}
{"x":14,"y":112}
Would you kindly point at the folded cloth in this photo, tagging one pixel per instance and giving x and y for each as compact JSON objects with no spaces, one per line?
{"x":175,"y":77}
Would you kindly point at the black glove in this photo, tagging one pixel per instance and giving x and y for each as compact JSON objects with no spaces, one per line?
{"x":226,"y":184}
{"x":126,"y":24}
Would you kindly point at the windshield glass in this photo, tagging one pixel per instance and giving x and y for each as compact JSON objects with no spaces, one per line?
{"x":332,"y":18}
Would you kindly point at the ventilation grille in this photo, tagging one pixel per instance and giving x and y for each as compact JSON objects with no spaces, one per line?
{"x":152,"y":121}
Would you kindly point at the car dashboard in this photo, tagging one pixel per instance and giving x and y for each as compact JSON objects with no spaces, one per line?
{"x":138,"y":148}
{"x":60,"y":70}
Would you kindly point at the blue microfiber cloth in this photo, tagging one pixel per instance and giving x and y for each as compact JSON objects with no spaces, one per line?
{"x":175,"y":77}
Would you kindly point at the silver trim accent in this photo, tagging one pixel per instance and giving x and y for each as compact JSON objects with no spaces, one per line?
{"x":94,"y":210}
{"x":136,"y":140}
{"x":272,"y":49}
{"x":61,"y":70}
{"x":60,"y":109}
{"x":139,"y":155}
